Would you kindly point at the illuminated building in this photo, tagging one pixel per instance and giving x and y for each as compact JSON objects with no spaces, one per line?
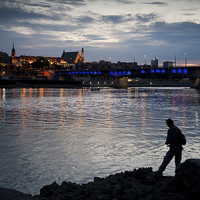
{"x":154,"y":62}
{"x":74,"y":57}
{"x":167,"y":64}
{"x":6,"y":67}
{"x":68,"y":59}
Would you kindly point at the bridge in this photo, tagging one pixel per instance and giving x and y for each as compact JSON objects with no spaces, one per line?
{"x":137,"y":72}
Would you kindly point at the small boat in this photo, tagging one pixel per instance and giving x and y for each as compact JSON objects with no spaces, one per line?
{"x":95,"y":89}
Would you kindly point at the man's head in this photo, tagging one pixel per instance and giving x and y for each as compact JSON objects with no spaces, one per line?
{"x":169,"y":122}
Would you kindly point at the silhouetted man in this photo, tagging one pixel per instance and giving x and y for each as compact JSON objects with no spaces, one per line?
{"x":175,"y":148}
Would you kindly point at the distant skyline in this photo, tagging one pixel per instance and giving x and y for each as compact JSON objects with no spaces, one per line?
{"x":115,"y":30}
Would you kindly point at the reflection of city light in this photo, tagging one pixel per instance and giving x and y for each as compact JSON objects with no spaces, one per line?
{"x":4,"y":94}
{"x":41,"y":92}
{"x":61,"y":92}
{"x":30,"y":93}
{"x":80,"y":121}
{"x":110,"y":121}
{"x":143,"y":113}
{"x":136,"y":93}
{"x":23,"y":93}
{"x":62,"y":110}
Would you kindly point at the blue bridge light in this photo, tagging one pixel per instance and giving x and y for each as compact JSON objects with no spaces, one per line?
{"x":185,"y":71}
{"x":157,"y":71}
{"x":119,"y":73}
{"x":163,"y":71}
{"x":173,"y":71}
{"x":124,"y":73}
{"x":179,"y":71}
{"x":128,"y":72}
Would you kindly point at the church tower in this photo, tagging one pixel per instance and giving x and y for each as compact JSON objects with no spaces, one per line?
{"x":82,"y":55}
{"x":13,"y":54}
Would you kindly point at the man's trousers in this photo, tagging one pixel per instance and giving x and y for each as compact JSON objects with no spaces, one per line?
{"x":170,"y":154}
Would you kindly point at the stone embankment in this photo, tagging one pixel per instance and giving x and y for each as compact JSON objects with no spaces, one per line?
{"x":118,"y":83}
{"x":139,"y":184}
{"x":28,"y":83}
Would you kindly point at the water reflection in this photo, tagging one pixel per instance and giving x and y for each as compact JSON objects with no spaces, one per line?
{"x":74,"y":134}
{"x":80,"y":108}
{"x":143,"y":113}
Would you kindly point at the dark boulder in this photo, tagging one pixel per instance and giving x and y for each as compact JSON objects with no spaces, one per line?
{"x":139,"y":184}
{"x":10,"y":194}
{"x":188,"y":178}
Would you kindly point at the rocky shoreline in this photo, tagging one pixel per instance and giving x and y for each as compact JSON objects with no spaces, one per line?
{"x":139,"y":184}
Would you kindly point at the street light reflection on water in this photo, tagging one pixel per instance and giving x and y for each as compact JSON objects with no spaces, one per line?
{"x":74,"y":135}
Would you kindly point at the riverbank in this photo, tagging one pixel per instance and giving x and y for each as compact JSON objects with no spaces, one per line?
{"x":139,"y":184}
{"x":26,"y":83}
{"x":23,"y":83}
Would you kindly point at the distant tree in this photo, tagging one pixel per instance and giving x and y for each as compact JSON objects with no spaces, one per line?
{"x":55,"y":66}
{"x":41,"y":63}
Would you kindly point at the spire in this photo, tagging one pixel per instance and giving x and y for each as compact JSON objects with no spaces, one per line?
{"x":13,"y":49}
{"x":13,"y":53}
{"x":82,"y":55}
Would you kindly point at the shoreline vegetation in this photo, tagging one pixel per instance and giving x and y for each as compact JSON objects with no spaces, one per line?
{"x":139,"y":184}
{"x":118,"y":83}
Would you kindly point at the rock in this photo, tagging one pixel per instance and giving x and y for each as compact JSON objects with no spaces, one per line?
{"x":10,"y":194}
{"x":139,"y":184}
{"x":188,"y":178}
{"x":142,"y":183}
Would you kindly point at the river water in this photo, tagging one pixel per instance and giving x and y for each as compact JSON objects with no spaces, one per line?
{"x":51,"y":134}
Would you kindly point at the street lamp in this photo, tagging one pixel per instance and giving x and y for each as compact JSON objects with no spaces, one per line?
{"x":185,"y":59}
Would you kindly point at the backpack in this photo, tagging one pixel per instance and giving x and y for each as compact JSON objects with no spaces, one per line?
{"x":180,"y":140}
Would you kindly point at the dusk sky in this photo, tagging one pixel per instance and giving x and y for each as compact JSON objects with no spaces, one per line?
{"x":114,"y":30}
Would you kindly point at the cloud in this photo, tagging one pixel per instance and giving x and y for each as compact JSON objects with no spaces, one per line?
{"x":145,"y":17}
{"x":116,"y":19}
{"x":184,"y":33}
{"x":85,"y":19}
{"x":71,"y":2}
{"x":14,"y":13}
{"x":125,"y":1}
{"x":156,"y":3}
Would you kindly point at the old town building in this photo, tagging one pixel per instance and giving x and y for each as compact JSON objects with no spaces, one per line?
{"x":6,"y":67}
{"x":67,"y":60}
